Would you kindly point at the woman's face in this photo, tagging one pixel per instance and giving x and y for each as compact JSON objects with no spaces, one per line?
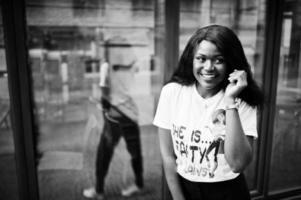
{"x":209,"y":68}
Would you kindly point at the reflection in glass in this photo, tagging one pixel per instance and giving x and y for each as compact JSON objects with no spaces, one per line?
{"x":68,"y":41}
{"x":247,"y":19}
{"x":8,"y":176}
{"x":285,"y":164}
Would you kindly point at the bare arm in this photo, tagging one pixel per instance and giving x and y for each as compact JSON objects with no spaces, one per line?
{"x":104,"y":85}
{"x":169,"y":164}
{"x":238,"y":148}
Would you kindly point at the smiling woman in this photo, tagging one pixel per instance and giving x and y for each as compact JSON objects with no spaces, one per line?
{"x":211,"y":75}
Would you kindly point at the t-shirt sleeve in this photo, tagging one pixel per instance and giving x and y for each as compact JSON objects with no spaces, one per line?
{"x":163,"y":114}
{"x":248,"y":118}
{"x":104,"y":75}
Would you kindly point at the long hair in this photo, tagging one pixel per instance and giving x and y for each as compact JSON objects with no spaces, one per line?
{"x":231,"y":48}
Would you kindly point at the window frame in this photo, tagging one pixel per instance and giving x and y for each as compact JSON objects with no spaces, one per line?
{"x":20,"y":97}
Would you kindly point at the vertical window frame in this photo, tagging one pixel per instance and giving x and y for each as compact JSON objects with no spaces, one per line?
{"x":14,"y":26}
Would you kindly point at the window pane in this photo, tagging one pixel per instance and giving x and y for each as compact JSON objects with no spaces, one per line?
{"x":247,"y":19}
{"x":69,"y":41}
{"x":286,"y":164}
{"x":8,"y":176}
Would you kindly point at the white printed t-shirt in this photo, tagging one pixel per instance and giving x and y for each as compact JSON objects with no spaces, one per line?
{"x":197,"y":127}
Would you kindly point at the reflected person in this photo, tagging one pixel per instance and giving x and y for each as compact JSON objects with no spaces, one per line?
{"x":120,"y":120}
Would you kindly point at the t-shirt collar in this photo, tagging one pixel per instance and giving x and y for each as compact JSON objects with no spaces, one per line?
{"x":212,"y":99}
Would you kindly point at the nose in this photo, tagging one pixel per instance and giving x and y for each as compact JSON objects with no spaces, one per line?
{"x":208,"y":65}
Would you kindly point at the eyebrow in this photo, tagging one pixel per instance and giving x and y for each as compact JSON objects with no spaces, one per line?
{"x":214,"y":56}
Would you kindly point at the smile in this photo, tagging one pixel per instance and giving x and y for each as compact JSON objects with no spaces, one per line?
{"x":207,"y":76}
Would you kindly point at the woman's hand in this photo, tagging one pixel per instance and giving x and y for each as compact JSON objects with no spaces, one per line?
{"x":237,"y":82}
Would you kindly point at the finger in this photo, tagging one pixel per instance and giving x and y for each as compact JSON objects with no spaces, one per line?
{"x":234,"y":73}
{"x":232,"y":79}
{"x":242,"y":79}
{"x":238,"y":77}
{"x":243,"y":76}
{"x":237,"y":73}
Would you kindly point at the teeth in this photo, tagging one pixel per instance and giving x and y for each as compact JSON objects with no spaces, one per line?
{"x":208,"y":75}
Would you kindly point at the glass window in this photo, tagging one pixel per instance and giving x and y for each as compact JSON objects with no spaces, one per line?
{"x":286,"y":150}
{"x":247,"y":19}
{"x":8,"y":176}
{"x":70,"y":43}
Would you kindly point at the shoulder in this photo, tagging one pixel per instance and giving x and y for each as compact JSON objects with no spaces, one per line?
{"x":104,"y":65}
{"x":174,"y":87}
{"x":171,"y":86}
{"x":173,"y":92}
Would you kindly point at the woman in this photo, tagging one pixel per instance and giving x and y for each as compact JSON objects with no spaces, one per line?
{"x":212,"y":74}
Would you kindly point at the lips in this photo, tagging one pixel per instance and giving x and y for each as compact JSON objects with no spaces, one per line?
{"x":208,"y":76}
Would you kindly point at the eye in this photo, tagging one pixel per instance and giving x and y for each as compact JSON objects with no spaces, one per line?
{"x":219,"y":60}
{"x":202,"y":59}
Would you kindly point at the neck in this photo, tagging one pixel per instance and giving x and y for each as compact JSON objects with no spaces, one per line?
{"x":206,"y":92}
